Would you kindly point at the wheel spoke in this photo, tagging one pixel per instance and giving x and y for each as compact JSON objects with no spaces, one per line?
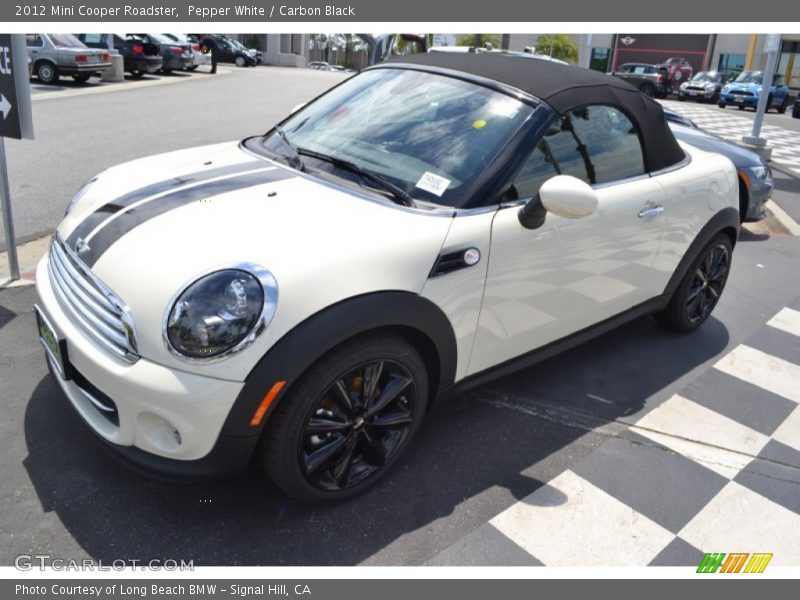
{"x":390,"y":391}
{"x":693,"y":293}
{"x":714,"y":293}
{"x":395,"y":418}
{"x":319,"y":457}
{"x":341,"y":469}
{"x":692,"y":307}
{"x":373,"y":449}
{"x":372,"y":375}
{"x":342,"y":397}
{"x":323,"y":425}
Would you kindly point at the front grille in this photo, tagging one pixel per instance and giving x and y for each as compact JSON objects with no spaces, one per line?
{"x":98,"y":310}
{"x":741,"y":93}
{"x":694,"y":88}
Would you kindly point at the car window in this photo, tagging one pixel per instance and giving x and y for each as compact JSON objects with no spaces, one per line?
{"x":429,"y":134}
{"x":597,"y":144}
{"x":65,"y":40}
{"x":93,"y":38}
{"x":33,"y":39}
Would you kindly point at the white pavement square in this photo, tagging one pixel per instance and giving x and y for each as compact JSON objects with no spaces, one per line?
{"x":764,"y":370}
{"x":571,"y":522}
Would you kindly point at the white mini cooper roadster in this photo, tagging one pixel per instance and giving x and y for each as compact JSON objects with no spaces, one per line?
{"x":302,"y":297}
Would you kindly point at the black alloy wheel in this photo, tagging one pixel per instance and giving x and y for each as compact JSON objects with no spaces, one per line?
{"x":701,"y":287}
{"x":648,"y":90}
{"x":357,"y":425}
{"x":346,"y":421}
{"x":707,"y":284}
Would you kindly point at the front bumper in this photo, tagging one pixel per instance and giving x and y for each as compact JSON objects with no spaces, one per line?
{"x":758,"y":192}
{"x":150,"y":400}
{"x":696,"y":94}
{"x":739,"y":100}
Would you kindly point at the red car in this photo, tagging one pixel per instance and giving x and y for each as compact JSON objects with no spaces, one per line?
{"x":679,"y":70}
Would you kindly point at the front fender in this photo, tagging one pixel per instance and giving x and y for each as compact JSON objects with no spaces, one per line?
{"x":411,"y":315}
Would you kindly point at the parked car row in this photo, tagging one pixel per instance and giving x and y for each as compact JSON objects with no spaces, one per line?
{"x":84,"y":55}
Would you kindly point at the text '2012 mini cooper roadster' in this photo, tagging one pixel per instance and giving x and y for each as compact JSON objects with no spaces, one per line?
{"x":303,"y":297}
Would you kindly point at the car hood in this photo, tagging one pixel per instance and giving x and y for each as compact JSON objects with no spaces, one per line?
{"x":745,"y":87}
{"x":741,"y":157}
{"x":156,"y":224}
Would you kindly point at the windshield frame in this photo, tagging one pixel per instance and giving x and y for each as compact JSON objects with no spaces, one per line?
{"x":476,"y":189}
{"x":751,"y":76}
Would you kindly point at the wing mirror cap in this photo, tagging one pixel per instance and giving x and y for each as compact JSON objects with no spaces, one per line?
{"x":568,"y":197}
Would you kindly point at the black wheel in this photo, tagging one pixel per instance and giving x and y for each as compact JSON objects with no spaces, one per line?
{"x":769,"y":104}
{"x":721,"y":104}
{"x":166,"y":71}
{"x":137,"y":74}
{"x":81,"y":77}
{"x":347,"y":420}
{"x":47,"y":72}
{"x":648,"y":90}
{"x":241,"y":61}
{"x":193,"y":68}
{"x":784,"y":105}
{"x":701,"y":287}
{"x":741,"y":107}
{"x":681,"y":98}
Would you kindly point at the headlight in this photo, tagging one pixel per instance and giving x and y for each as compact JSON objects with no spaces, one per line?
{"x":709,"y":86}
{"x":221,"y":313}
{"x":759,"y":172}
{"x":684,"y":85}
{"x":81,"y":193}
{"x":726,"y":89}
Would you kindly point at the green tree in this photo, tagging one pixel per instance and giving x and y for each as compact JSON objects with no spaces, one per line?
{"x":558,"y":46}
{"x":478,"y":40}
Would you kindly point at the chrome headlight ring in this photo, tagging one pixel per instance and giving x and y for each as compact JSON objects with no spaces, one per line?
{"x":269,"y":301}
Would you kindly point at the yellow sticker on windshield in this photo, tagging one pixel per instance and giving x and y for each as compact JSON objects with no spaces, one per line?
{"x":479,"y":124}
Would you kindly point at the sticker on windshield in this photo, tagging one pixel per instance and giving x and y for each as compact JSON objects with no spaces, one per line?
{"x":431,"y":182}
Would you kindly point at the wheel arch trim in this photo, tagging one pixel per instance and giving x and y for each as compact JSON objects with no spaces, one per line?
{"x":412,"y":316}
{"x":725,"y":221}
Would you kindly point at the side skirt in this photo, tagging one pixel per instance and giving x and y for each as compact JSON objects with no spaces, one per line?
{"x":557,"y":347}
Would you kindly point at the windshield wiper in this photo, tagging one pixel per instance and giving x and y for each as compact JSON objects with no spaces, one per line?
{"x":399,"y":194}
{"x":294,"y":158}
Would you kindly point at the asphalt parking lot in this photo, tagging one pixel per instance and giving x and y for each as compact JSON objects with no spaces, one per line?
{"x":508,"y":473}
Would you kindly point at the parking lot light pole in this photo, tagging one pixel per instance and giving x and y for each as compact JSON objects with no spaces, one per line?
{"x":771,"y":47}
{"x":8,"y":222}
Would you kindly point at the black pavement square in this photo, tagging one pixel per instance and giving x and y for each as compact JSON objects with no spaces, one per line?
{"x":777,"y":342}
{"x":485,"y":546}
{"x":775,"y":481}
{"x":781,"y":453}
{"x":678,"y":553}
{"x":739,"y":400}
{"x":666,"y":487}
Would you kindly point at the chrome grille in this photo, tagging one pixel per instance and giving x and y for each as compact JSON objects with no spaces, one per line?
{"x":98,"y":310}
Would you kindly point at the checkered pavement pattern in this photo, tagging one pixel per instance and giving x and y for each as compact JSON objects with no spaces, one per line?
{"x":785,"y":143}
{"x":714,"y":468}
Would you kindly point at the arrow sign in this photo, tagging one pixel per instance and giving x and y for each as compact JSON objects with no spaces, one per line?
{"x":5,"y":106}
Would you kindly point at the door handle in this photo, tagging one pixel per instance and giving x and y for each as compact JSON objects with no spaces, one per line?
{"x":652,"y":211}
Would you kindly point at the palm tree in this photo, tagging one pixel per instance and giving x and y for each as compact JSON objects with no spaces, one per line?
{"x":557,"y":45}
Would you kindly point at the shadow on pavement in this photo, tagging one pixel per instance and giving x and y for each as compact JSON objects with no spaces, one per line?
{"x":465,"y":448}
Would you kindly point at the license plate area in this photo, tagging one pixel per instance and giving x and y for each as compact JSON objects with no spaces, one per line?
{"x":54,"y":347}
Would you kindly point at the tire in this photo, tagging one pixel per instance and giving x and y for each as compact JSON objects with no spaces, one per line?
{"x":721,"y":104}
{"x":193,"y":68}
{"x":346,"y":451}
{"x":166,"y":71}
{"x":240,"y":61}
{"x":81,"y":77}
{"x":784,"y":105}
{"x":701,"y":287}
{"x":648,"y":90}
{"x":47,"y":72}
{"x":740,"y":107}
{"x":769,"y":104}
{"x":137,"y":74}
{"x":681,"y":98}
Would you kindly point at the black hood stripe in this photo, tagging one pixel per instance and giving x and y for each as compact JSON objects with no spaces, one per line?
{"x":91,"y":222}
{"x":133,"y":217}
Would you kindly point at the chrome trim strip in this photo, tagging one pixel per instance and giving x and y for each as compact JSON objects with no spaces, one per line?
{"x":97,"y":309}
{"x":97,"y":404}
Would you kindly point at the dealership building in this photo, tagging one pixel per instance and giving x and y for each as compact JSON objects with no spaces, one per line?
{"x":731,"y":53}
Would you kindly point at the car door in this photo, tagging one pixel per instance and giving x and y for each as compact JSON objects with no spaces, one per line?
{"x":546,"y":283}
{"x":34,"y":45}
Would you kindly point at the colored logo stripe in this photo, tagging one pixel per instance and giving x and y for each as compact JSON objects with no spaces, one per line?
{"x":118,"y":204}
{"x":713,"y":561}
{"x":128,"y":220}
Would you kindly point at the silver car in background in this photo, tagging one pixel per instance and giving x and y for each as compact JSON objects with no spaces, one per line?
{"x":57,"y":54}
{"x":755,"y":176}
{"x":199,"y":58}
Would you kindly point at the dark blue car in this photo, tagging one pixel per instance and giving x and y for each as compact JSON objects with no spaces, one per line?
{"x":747,"y":88}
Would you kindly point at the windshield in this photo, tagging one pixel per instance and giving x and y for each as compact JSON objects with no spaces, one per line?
{"x":750,"y":77}
{"x":706,"y":76}
{"x":430,"y":135}
{"x":66,"y":40}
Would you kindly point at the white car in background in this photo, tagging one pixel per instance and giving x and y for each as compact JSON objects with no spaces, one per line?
{"x":303,"y":296}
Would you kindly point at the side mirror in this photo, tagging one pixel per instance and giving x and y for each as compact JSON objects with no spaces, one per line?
{"x":298,"y":107}
{"x":568,"y":197}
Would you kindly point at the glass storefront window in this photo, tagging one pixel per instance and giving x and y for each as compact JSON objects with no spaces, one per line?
{"x":731,"y":64}
{"x":599,"y":59}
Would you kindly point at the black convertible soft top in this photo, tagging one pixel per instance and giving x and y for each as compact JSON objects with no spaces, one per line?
{"x":564,"y":87}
